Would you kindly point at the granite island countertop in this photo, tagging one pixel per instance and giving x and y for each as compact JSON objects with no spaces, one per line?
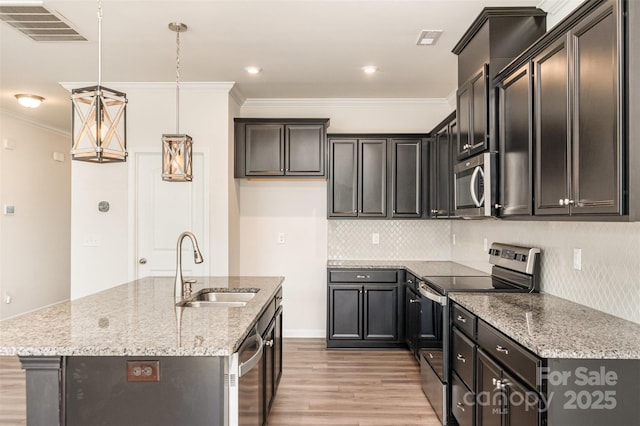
{"x":139,"y":319}
{"x":552,"y":327}
{"x":426,"y":268}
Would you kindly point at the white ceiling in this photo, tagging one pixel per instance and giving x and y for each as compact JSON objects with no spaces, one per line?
{"x":306,"y":48}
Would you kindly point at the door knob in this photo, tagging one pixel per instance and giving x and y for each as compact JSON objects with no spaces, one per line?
{"x":142,"y":261}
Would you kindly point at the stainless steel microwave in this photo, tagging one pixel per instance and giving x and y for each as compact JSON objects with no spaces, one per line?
{"x":475,"y":186}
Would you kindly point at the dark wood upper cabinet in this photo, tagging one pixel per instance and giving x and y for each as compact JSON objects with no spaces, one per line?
{"x":495,"y":38}
{"x":443,"y":139}
{"x":372,"y":178}
{"x":515,"y":101}
{"x":267,"y":147}
{"x":375,"y":176}
{"x":406,"y":178}
{"x":551,"y":77}
{"x":578,"y":96}
{"x":342,"y":186}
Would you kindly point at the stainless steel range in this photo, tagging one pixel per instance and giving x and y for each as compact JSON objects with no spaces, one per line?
{"x":515,"y":269}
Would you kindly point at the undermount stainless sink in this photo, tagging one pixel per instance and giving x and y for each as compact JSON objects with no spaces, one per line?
{"x":217,"y":297}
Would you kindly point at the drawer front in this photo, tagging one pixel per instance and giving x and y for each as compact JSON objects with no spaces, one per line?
{"x":364,"y":276}
{"x":432,"y":387}
{"x":509,"y":353}
{"x":463,"y":356}
{"x":464,"y":320}
{"x":462,"y":402}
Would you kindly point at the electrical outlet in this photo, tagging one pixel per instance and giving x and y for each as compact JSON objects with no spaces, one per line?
{"x":485,"y":244}
{"x":143,"y":371}
{"x":7,"y":298}
{"x":375,"y":238}
{"x":281,"y":239}
{"x":577,"y":259}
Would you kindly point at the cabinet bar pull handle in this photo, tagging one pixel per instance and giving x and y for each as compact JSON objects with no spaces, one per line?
{"x":459,"y":357}
{"x":460,"y":405}
{"x":502,"y":349}
{"x":461,"y":319}
{"x":413,"y":301}
{"x":362,"y":277}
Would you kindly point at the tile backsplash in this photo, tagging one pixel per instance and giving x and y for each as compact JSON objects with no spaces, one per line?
{"x":398,"y":240}
{"x":609,"y":279}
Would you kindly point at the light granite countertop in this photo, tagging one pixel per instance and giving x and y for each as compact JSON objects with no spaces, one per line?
{"x":427,"y":268}
{"x":552,"y":327}
{"x":138,"y":319}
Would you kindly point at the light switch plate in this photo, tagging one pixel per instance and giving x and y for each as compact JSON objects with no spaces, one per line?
{"x":577,"y":259}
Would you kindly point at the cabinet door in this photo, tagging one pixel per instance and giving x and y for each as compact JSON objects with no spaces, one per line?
{"x":277,"y":351}
{"x":305,"y":150}
{"x":441,"y":172}
{"x":472,"y":104}
{"x":490,"y":404}
{"x":406,"y":177}
{"x":597,"y":177}
{"x":372,"y":178}
{"x":343,"y":178}
{"x":516,"y":143}
{"x":264,"y":150}
{"x":523,"y":403}
{"x":268,"y":359}
{"x":479,"y":111}
{"x":464,"y":96}
{"x":345,"y":311}
{"x":551,"y":126}
{"x":381,"y":312}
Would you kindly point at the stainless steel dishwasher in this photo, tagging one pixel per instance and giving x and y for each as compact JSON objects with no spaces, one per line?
{"x":245,"y":390}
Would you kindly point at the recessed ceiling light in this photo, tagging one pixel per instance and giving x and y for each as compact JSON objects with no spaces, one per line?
{"x":428,"y":37}
{"x":370,"y":69}
{"x":29,"y":101}
{"x":253,"y":70}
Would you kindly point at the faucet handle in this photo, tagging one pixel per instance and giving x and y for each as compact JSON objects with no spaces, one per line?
{"x":186,"y":287}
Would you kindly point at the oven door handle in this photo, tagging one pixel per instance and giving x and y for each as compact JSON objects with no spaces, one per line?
{"x":431,"y":295}
{"x":474,"y":178}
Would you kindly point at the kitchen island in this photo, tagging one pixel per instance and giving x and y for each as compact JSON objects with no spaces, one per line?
{"x":134,"y":322}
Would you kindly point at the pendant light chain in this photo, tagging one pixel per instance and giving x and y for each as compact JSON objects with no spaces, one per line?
{"x":178,"y":80}
{"x":99,"y":42}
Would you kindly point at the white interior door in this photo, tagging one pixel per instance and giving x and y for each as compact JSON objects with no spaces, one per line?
{"x":163,"y":211}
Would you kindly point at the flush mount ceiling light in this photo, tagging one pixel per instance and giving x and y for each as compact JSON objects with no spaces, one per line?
{"x":177,"y":148}
{"x":428,"y":37}
{"x":99,"y":118}
{"x":370,"y":69}
{"x":253,"y":70}
{"x":29,"y":101}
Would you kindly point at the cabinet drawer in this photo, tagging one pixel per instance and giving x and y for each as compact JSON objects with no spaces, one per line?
{"x":462,"y":402}
{"x":464,"y":320}
{"x":509,"y":353}
{"x":365,"y":276}
{"x":463,"y":355}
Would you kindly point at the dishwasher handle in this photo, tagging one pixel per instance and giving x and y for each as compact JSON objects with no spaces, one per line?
{"x":248,"y":365}
{"x":431,"y":295}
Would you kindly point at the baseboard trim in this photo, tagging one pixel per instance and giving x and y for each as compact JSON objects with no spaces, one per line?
{"x":313,"y":333}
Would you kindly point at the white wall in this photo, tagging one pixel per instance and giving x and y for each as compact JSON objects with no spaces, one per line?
{"x":35,"y":241}
{"x":204,"y":115}
{"x":299,"y":208}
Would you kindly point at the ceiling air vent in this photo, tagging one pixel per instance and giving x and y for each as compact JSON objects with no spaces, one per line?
{"x":39,"y":23}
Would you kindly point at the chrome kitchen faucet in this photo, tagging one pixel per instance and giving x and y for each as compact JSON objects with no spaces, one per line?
{"x":182,"y":287}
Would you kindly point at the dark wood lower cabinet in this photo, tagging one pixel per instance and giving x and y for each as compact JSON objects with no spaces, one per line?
{"x":364,"y":309}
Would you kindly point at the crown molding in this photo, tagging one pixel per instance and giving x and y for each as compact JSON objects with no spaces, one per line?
{"x":223,"y":86}
{"x":340,"y":102}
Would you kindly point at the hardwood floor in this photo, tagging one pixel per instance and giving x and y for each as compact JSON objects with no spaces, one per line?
{"x":318,"y":387}
{"x":354,"y":388}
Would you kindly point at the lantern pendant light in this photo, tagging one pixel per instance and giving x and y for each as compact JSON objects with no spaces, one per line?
{"x":177,"y":148}
{"x":99,"y":118}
